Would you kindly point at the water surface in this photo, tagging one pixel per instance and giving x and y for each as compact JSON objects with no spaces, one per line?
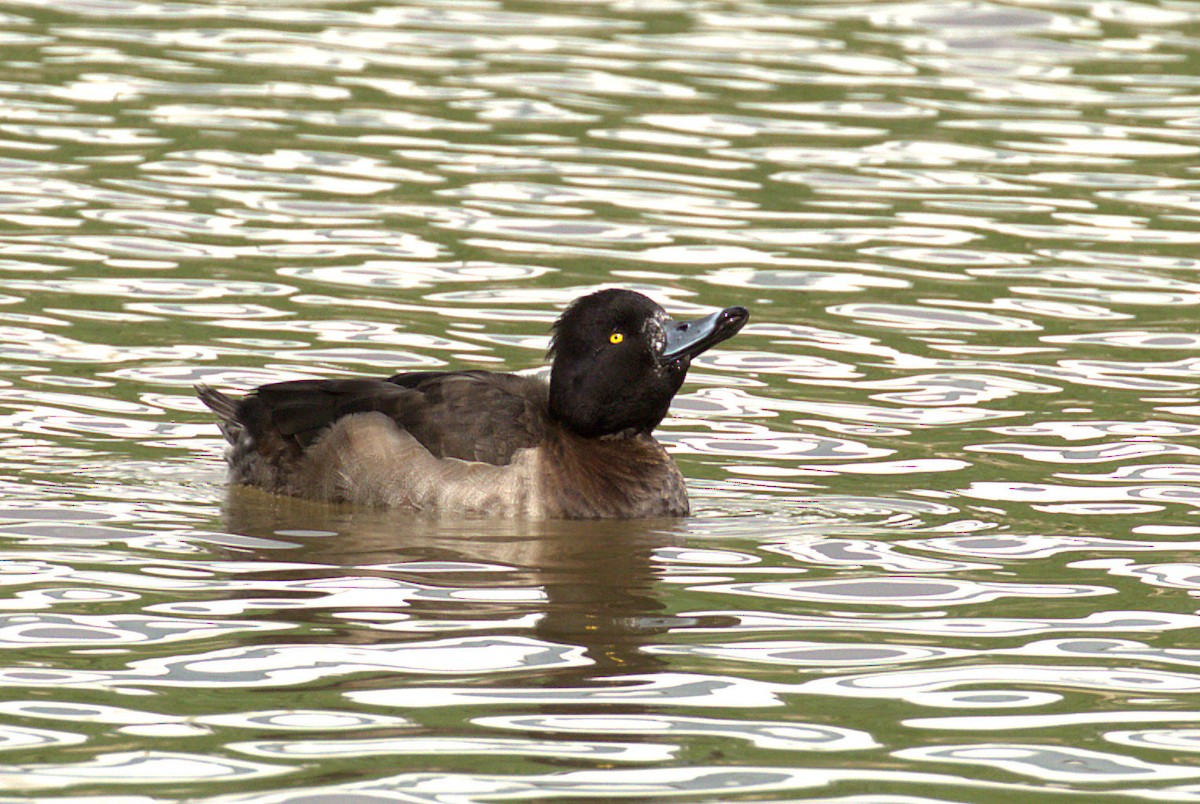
{"x":944,"y":484}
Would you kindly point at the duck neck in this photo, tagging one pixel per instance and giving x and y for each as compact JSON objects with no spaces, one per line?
{"x":615,"y":476}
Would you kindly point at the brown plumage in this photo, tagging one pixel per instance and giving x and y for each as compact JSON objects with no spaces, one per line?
{"x":487,"y":443}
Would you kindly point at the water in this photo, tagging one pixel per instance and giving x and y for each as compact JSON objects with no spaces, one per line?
{"x":944,"y":484}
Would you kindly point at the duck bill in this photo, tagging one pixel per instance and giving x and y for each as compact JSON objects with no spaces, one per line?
{"x":686,"y":339}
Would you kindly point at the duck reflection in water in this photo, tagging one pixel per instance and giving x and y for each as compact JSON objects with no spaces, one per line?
{"x":589,"y":584}
{"x":478,"y":442}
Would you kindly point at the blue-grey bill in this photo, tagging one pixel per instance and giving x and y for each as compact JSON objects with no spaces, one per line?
{"x":686,"y":339}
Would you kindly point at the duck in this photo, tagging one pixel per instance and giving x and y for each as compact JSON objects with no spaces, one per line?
{"x":473,"y":442}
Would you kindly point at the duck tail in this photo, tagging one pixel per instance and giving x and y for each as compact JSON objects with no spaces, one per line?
{"x":226,"y":408}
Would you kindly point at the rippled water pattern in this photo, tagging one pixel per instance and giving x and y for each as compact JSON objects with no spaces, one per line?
{"x":945,"y":483}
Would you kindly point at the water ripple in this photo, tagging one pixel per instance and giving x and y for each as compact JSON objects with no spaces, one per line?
{"x":137,"y":768}
{"x":903,"y":592}
{"x":768,"y":734}
{"x":1053,"y":764}
{"x":947,"y":467}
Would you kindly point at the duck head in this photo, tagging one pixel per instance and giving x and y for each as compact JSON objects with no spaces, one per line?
{"x":618,"y":359}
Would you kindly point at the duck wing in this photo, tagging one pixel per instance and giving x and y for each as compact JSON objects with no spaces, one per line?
{"x":475,"y":415}
{"x":471,"y":415}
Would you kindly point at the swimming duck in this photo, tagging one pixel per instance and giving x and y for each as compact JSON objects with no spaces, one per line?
{"x":479,"y":442}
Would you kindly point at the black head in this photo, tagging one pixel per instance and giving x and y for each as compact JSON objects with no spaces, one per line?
{"x":619,"y":359}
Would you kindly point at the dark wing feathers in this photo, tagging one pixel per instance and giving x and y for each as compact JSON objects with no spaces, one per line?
{"x":303,"y":409}
{"x":475,"y":415}
{"x":472,"y":415}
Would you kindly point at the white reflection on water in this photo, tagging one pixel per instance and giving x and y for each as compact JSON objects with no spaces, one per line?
{"x":300,"y":664}
{"x":693,"y":781}
{"x":809,"y":654}
{"x":137,"y":768}
{"x":52,"y":630}
{"x":16,"y":737}
{"x":675,"y":689}
{"x":777,"y":735}
{"x":904,"y":592}
{"x":1004,"y":682}
{"x":1053,"y":763}
{"x":949,"y":467}
{"x":606,"y":751}
{"x":981,"y":627}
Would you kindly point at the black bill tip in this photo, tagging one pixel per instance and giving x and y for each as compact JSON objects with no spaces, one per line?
{"x":686,"y":339}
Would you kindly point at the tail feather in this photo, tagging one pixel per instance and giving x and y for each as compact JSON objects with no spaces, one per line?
{"x":226,"y":408}
{"x":258,"y":454}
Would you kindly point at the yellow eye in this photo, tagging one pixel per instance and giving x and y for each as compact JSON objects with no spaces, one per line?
{"x":616,"y":337}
